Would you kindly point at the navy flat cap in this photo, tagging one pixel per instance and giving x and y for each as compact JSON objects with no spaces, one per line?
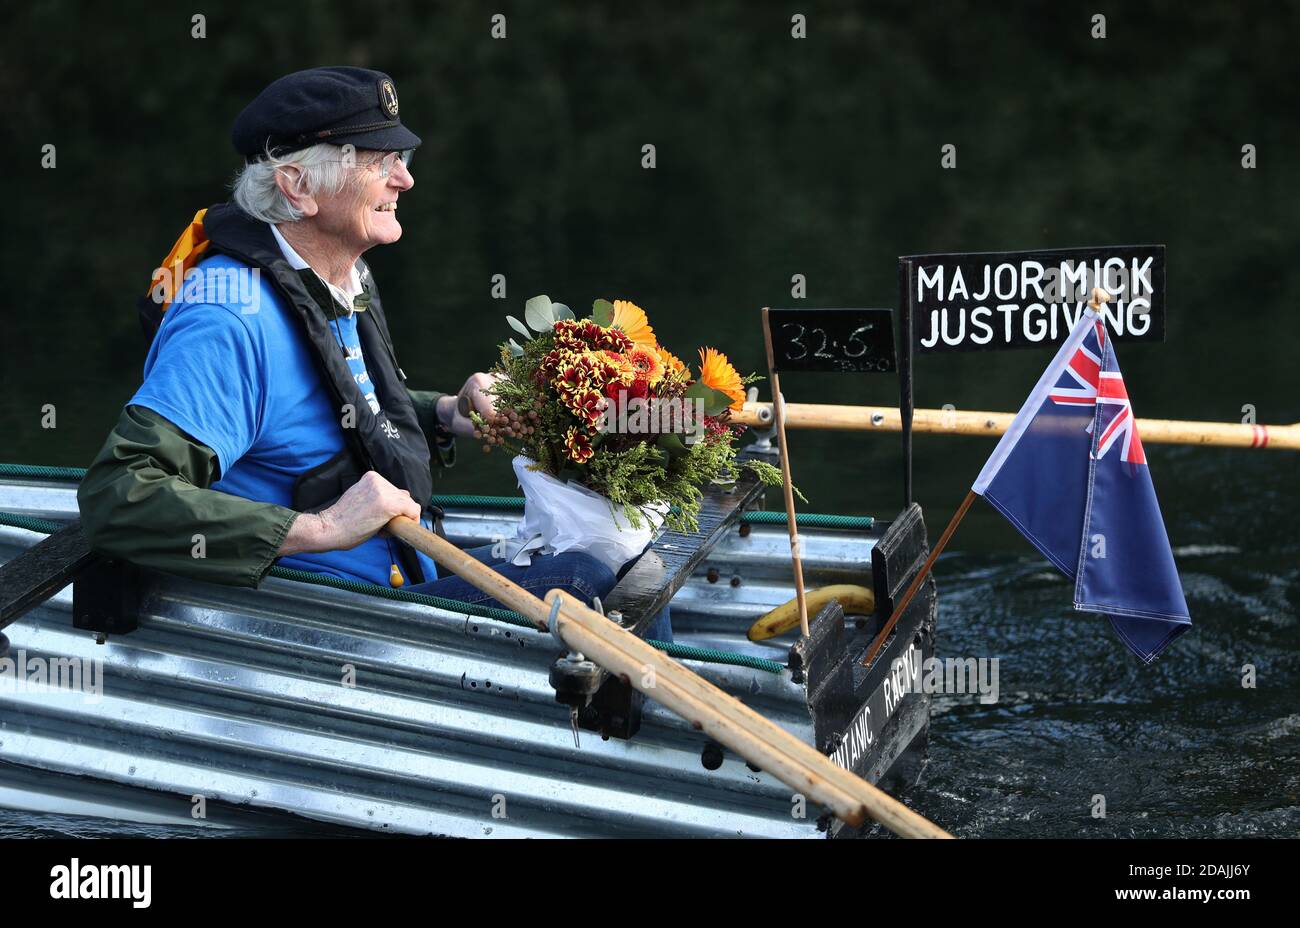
{"x":337,"y":105}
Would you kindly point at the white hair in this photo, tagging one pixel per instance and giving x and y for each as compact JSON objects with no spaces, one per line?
{"x":322,"y":168}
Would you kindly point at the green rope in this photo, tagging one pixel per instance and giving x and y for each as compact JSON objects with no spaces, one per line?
{"x":504,"y":503}
{"x":804,"y":519}
{"x":714,"y":656}
{"x":31,"y":523}
{"x":811,"y":520}
{"x":388,"y":592}
{"x":469,"y":501}
{"x":682,"y":651}
{"x":40,"y":472}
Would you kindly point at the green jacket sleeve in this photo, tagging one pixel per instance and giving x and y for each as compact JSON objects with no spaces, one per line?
{"x":442,"y":444}
{"x":145,"y":500}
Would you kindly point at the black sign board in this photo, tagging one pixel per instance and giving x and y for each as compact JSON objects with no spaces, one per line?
{"x":832,"y":339}
{"x":1027,"y":299}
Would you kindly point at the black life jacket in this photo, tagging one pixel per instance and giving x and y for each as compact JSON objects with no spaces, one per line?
{"x":391,"y":442}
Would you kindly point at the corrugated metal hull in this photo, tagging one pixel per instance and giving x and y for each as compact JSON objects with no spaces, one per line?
{"x":451,"y":727}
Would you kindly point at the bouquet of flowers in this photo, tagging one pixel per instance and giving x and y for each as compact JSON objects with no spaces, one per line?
{"x":599,"y":404}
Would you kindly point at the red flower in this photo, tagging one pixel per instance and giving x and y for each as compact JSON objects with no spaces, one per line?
{"x":588,"y":407}
{"x":717,"y":428}
{"x":585,"y":335}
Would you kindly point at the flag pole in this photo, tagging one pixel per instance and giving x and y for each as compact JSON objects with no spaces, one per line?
{"x":1099,"y":298}
{"x":786,"y":483}
{"x":920,"y":578}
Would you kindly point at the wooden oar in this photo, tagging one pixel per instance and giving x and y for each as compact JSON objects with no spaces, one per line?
{"x":708,"y":709}
{"x":972,"y":422}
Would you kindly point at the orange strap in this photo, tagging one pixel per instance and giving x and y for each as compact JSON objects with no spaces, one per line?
{"x":169,"y":277}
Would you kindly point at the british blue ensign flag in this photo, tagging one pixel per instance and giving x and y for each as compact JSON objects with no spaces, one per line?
{"x":1071,"y":475}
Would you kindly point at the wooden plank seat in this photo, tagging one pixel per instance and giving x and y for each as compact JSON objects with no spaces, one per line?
{"x":659,"y":574}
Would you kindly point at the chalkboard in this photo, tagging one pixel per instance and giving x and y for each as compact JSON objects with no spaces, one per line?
{"x":1026,"y":299}
{"x":832,"y":339}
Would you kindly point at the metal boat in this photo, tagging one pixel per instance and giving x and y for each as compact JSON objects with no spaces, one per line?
{"x":373,"y":709}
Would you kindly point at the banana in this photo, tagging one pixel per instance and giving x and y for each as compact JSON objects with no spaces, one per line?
{"x":856,"y":600}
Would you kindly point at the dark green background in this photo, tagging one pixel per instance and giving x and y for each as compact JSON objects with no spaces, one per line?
{"x":775,"y":157}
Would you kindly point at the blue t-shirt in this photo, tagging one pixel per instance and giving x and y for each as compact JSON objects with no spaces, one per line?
{"x":231,"y":367}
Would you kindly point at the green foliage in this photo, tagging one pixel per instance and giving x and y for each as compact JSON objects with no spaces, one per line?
{"x":602,"y":312}
{"x":715,"y":401}
{"x":539,"y":313}
{"x":634,"y":471}
{"x":519,"y":327}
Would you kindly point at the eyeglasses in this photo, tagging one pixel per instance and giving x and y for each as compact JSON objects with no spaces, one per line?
{"x":386,"y":162}
{"x":389,"y":161}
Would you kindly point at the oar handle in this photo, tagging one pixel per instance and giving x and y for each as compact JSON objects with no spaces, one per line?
{"x":470,"y":569}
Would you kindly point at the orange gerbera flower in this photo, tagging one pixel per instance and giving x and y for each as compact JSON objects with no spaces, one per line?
{"x":621,"y":369}
{"x":716,"y":372}
{"x":670,"y":361}
{"x":646,"y":365}
{"x":632,"y":320}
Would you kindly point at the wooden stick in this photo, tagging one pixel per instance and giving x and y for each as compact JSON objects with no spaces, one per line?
{"x":709,"y":714}
{"x":706,"y":707}
{"x":919,"y":578}
{"x":738,"y":711}
{"x":787,"y":484}
{"x":978,"y":422}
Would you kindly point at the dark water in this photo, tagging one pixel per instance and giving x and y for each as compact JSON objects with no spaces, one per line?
{"x":1177,"y":749}
{"x":776,"y":157}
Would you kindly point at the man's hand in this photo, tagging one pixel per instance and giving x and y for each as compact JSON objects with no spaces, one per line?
{"x":453,"y":411}
{"x":364,"y":509}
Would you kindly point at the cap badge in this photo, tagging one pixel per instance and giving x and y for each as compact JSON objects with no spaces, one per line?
{"x":388,"y":98}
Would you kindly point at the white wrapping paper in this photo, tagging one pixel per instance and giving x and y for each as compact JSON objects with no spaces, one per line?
{"x":561,"y":517}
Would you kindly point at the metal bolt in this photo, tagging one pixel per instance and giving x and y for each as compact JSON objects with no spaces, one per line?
{"x":735,"y":581}
{"x":745,"y":529}
{"x":712,"y":575}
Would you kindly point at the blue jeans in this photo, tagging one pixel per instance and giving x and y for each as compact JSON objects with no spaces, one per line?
{"x":576,"y":573}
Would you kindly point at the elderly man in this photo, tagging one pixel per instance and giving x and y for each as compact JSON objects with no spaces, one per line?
{"x":274,"y":423}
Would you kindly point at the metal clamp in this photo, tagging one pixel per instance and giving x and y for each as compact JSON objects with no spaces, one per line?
{"x":552,"y":623}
